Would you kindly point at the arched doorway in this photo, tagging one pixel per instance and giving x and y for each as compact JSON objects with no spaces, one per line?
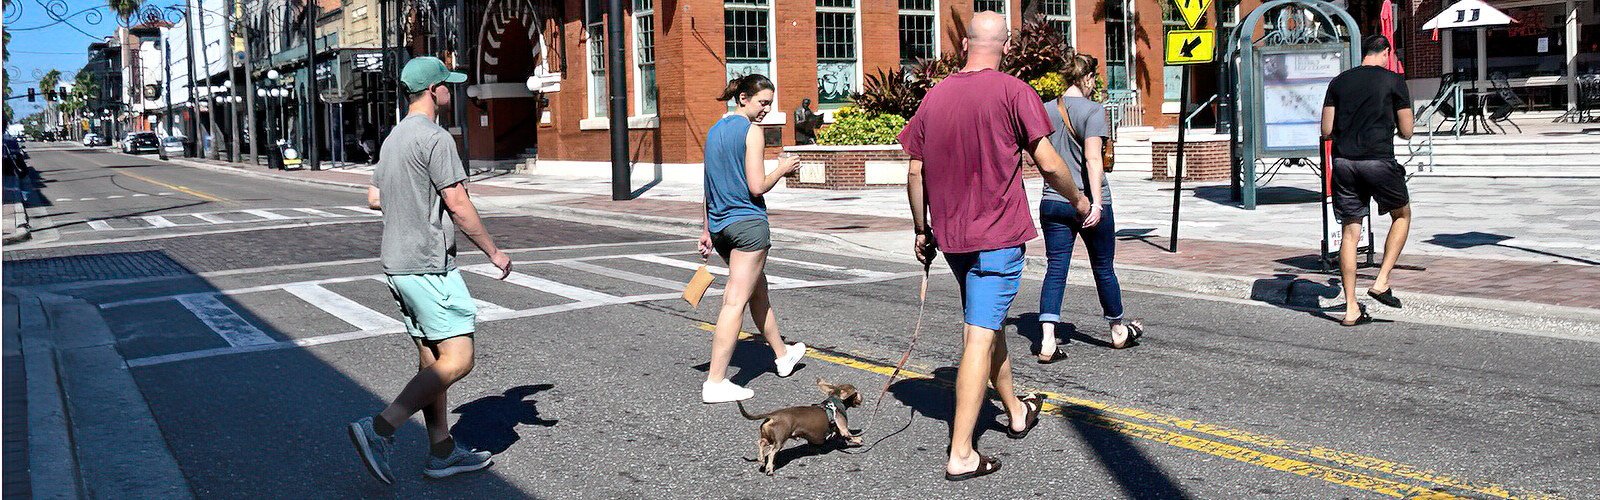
{"x":511,"y":46}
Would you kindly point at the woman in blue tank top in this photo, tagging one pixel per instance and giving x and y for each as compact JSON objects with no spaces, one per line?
{"x":736,"y":228}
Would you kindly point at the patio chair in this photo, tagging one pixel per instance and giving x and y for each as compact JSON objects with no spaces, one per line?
{"x":1588,"y":97}
{"x":1444,"y":109}
{"x":1509,"y":103}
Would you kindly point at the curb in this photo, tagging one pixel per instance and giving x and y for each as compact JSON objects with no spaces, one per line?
{"x":24,"y":231}
{"x":87,"y":417}
{"x":1293,"y":293}
{"x":1297,"y":293}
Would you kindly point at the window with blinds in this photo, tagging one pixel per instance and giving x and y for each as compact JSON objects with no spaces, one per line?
{"x":644,"y":32}
{"x":837,"y":52}
{"x":748,"y":37}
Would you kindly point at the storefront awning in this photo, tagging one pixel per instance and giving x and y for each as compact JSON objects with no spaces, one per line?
{"x":1468,"y":14}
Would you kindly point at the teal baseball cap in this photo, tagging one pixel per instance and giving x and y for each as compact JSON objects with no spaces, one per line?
{"x":425,"y":72}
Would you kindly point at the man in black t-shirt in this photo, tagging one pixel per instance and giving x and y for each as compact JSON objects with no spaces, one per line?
{"x":1364,"y":108}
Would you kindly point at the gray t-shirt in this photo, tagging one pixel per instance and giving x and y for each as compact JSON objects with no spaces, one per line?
{"x":1088,"y":120}
{"x":417,"y":160}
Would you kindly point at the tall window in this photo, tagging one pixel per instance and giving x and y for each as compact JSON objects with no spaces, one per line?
{"x":747,"y":29}
{"x":994,"y":5}
{"x":644,"y":32}
{"x":594,"y":30}
{"x":919,"y":35}
{"x":1058,"y":14}
{"x":836,"y":51}
{"x":1118,"y":41}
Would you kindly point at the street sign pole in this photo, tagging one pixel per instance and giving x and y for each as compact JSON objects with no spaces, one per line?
{"x":1177,"y":174}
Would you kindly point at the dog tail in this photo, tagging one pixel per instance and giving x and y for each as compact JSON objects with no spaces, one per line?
{"x":748,"y":415}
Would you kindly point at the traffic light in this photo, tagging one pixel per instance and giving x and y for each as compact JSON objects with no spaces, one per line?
{"x":50,"y":95}
{"x":31,"y":94}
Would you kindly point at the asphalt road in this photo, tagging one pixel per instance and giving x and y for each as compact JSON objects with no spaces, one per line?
{"x":254,"y":348}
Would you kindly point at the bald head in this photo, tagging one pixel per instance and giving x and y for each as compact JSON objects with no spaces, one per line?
{"x":987,"y":34}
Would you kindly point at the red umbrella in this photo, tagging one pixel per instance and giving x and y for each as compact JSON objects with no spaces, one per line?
{"x":1386,"y":26}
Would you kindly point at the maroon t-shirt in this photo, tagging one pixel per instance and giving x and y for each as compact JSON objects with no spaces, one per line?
{"x":970,"y":133}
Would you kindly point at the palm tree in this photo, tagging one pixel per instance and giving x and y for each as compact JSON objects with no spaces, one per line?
{"x":124,"y":8}
{"x":50,"y":80}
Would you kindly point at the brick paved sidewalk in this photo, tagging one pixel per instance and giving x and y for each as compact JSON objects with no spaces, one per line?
{"x":1482,"y":278}
{"x":14,"y":393}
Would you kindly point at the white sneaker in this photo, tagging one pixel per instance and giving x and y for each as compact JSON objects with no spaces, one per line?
{"x":791,"y":357}
{"x":723,"y":392}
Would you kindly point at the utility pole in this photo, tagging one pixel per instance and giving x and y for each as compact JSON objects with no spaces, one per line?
{"x":250,"y":93}
{"x":233,"y":97}
{"x":311,"y":102}
{"x":188,"y":39}
{"x":166,"y":90}
{"x":211,"y":97}
{"x":621,"y":184}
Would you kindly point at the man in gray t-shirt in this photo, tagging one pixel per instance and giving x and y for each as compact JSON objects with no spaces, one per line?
{"x":1088,"y":120}
{"x":420,"y":186}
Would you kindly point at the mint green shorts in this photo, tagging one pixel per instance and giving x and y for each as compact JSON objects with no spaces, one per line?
{"x":435,"y":306}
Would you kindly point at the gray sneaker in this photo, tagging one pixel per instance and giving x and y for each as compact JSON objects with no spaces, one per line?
{"x":374,"y":449}
{"x":460,"y":460}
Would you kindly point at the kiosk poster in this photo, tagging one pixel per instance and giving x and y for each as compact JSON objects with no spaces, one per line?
{"x":1293,"y":86}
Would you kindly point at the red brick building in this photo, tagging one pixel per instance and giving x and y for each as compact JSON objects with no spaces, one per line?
{"x":682,"y":53}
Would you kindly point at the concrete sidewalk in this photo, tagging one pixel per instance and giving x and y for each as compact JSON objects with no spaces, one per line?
{"x":1485,"y":256}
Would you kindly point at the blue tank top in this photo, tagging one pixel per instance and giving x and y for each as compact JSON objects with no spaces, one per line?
{"x":728,"y":197}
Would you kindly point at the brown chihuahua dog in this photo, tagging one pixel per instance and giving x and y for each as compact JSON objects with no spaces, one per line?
{"x":815,"y":423}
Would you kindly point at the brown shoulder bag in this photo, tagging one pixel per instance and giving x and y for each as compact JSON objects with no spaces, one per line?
{"x":1108,"y":150}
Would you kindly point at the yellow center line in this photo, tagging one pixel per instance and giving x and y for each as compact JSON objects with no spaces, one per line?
{"x":1100,"y":414}
{"x":184,"y":190}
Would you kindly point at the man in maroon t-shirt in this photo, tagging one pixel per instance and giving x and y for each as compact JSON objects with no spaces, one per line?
{"x":966,"y":144}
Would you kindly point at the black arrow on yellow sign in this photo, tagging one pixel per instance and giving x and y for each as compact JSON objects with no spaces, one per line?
{"x":1188,"y":48}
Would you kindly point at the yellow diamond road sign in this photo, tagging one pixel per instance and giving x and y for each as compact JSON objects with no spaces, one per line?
{"x":1191,"y":47}
{"x":1192,"y":10}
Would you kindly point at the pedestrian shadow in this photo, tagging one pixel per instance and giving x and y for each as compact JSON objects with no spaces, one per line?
{"x":1140,"y":234}
{"x":490,"y":423}
{"x":1066,"y":333}
{"x":934,"y":397}
{"x":1462,"y":241}
{"x":1135,"y":473}
{"x":752,"y":358}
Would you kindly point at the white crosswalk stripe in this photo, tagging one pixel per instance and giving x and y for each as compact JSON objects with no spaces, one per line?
{"x":267,"y":215}
{"x":349,"y":311}
{"x":242,"y":336}
{"x":158,"y":221}
{"x":543,"y":285}
{"x":235,"y":217}
{"x":720,"y":271}
{"x":318,"y":213}
{"x":223,"y":320}
{"x":100,"y":225}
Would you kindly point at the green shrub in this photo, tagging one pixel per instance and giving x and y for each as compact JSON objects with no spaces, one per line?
{"x":852,"y":127}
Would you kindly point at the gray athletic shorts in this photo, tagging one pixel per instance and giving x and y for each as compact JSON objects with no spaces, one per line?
{"x":751,"y":235}
{"x":1356,"y":183}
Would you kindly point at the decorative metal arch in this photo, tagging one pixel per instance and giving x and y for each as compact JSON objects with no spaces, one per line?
{"x":1294,"y":23}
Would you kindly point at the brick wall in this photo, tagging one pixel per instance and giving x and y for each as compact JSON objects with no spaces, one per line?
{"x":1204,"y":160}
{"x":846,"y":168}
{"x":1423,"y":57}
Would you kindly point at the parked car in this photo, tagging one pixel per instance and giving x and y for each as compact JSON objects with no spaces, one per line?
{"x":93,"y":140}
{"x":141,"y":142}
{"x":173,"y":144}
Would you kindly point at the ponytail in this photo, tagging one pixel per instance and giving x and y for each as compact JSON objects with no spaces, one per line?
{"x":751,"y":84}
{"x":1079,"y":66}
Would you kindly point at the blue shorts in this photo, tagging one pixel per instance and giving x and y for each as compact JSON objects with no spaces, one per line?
{"x":435,"y":306}
{"x":989,"y":280}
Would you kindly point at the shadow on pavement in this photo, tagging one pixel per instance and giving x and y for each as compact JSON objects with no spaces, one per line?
{"x":1461,"y":241}
{"x":268,"y":423}
{"x":1135,"y":473}
{"x":1269,"y":195}
{"x":490,"y":423}
{"x":752,"y":358}
{"x":1066,"y":333}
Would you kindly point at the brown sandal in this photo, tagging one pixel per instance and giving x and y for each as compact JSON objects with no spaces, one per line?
{"x":1034,"y":403}
{"x":986,"y":466}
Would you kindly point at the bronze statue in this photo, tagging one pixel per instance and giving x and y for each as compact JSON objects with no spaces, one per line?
{"x":806,"y":123}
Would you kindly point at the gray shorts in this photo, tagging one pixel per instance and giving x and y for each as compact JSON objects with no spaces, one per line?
{"x":751,"y":235}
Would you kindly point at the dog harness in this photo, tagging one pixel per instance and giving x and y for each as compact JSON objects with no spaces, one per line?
{"x":832,"y":406}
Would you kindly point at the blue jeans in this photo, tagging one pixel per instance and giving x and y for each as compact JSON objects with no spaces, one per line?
{"x":1062,"y":226}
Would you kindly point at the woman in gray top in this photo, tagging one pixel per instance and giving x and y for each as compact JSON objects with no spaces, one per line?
{"x":1079,"y":138}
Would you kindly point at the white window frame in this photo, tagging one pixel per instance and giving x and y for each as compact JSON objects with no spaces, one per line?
{"x":638,"y":72}
{"x":776,"y":116}
{"x":855,"y":11}
{"x":1071,"y":18}
{"x":938,"y":50}
{"x":588,"y":69}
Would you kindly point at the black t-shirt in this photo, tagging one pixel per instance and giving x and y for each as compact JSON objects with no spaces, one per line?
{"x":1365,"y":99}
